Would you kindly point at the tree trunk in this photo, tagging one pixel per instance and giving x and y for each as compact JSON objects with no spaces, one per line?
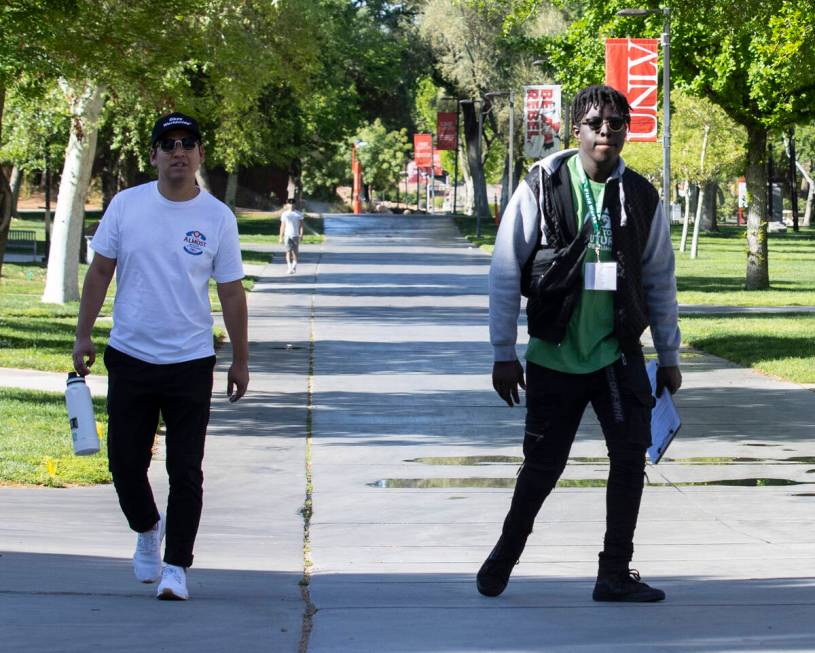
{"x":15,"y":183}
{"x":810,"y":194}
{"x":231,"y":190}
{"x":689,"y":192}
{"x":5,"y":192}
{"x":700,"y":200}
{"x":757,"y":274}
{"x":61,"y":282}
{"x":464,"y":200}
{"x":474,"y":161}
{"x":709,"y":219}
{"x":5,"y":215}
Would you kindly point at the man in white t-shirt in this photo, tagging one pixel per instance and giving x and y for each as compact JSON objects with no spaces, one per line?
{"x":164,"y":240}
{"x":291,"y":229}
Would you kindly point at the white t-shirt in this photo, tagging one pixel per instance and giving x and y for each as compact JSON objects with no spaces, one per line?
{"x":165,"y":254}
{"x":292,"y":220}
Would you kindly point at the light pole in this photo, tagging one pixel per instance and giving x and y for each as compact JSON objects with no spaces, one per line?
{"x":666,"y":97}
{"x":511,"y":162}
{"x":356,"y":172}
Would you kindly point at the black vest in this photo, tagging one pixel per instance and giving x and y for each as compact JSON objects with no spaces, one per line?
{"x":551,"y":303}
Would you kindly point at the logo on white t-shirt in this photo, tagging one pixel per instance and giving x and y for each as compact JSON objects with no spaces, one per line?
{"x":195,"y":243}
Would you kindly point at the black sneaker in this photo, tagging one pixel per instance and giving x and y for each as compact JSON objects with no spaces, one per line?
{"x":625,"y":586}
{"x":494,"y":574}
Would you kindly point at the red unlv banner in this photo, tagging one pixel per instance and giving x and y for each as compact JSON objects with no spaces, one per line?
{"x":446,"y":136}
{"x":632,"y":68}
{"x":423,"y":150}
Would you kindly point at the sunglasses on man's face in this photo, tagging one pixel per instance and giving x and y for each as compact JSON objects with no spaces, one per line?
{"x":615,"y":123}
{"x":168,"y":144}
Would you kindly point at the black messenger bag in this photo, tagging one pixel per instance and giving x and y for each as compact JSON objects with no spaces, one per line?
{"x":551,"y":280}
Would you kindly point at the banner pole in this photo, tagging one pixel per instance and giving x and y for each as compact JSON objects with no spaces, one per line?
{"x":666,"y":98}
{"x":455,"y":172}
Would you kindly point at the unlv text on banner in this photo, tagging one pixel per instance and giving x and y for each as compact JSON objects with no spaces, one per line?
{"x":632,"y":68}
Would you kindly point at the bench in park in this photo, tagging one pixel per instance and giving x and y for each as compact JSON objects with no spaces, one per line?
{"x":22,"y":241}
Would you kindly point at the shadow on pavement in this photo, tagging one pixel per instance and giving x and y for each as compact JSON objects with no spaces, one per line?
{"x":70,"y":603}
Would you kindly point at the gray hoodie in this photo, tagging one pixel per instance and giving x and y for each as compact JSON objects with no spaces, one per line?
{"x":516,"y":241}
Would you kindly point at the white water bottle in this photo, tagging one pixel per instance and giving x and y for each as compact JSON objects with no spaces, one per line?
{"x":81,"y":417}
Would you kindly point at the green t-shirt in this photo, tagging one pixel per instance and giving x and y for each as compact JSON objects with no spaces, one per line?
{"x":589,"y":344}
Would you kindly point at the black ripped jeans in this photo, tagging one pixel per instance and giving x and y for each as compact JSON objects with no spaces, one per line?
{"x":621,"y":397}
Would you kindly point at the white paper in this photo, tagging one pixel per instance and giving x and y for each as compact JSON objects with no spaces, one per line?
{"x":665,"y":422}
{"x":601,"y":276}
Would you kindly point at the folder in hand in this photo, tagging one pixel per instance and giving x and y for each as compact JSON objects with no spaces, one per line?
{"x":665,"y":422}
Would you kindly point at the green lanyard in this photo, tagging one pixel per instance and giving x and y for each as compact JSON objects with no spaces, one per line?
{"x":588,"y":198}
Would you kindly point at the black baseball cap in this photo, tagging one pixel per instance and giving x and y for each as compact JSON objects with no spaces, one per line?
{"x":174,"y":121}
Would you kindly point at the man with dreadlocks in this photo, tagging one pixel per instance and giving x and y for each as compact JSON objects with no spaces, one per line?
{"x":587,"y":241}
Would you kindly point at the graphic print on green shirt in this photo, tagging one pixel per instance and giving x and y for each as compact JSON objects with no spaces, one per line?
{"x":589,"y":343}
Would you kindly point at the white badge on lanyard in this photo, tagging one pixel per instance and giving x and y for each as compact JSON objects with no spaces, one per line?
{"x":596,"y":275}
{"x":601,"y":276}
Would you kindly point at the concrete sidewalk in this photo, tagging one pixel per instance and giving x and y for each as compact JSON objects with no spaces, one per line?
{"x":402,"y":397}
{"x":65,"y":575}
{"x":413,"y":459}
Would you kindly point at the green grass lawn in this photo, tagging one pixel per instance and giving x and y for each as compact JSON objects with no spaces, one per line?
{"x":780,"y":345}
{"x":467,"y":226}
{"x":40,"y":336}
{"x":717,"y":275}
{"x":35,"y":442}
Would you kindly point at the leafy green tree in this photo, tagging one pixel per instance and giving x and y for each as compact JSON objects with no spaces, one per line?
{"x":369,"y":59}
{"x":135,"y":45}
{"x":26,"y":28}
{"x":753,"y":58}
{"x":382,"y":156}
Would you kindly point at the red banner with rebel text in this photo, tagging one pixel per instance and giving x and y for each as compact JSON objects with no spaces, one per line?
{"x":423,"y":150}
{"x":632,"y":67}
{"x":446,"y":136}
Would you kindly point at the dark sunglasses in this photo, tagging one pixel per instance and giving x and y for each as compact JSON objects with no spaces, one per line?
{"x":615,"y":123}
{"x":168,"y":144}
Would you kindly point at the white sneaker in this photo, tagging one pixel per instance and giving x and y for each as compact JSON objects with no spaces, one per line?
{"x":147,"y":558}
{"x":294,"y":267}
{"x":291,"y":270}
{"x":173,"y":585}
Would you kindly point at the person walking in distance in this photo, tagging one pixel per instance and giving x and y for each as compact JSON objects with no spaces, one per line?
{"x":164,"y":240}
{"x":586,"y":240}
{"x":291,"y":230}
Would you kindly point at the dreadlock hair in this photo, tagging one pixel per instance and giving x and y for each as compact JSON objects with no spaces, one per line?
{"x":599,"y":96}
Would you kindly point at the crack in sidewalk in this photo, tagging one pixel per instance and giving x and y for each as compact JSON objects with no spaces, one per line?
{"x":307,"y":510}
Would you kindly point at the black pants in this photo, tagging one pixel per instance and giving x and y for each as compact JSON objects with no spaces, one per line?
{"x":137,"y":393}
{"x":621,"y":397}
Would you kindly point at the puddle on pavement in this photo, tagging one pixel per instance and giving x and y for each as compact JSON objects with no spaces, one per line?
{"x":517,"y":460}
{"x":466,"y":460}
{"x":508,"y":483}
